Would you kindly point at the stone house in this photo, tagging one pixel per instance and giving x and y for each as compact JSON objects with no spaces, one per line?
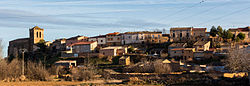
{"x":83,"y":47}
{"x":133,"y":37}
{"x":245,"y":31}
{"x":198,"y":55}
{"x":58,"y":45}
{"x":176,"y":45}
{"x":75,"y":39}
{"x":154,"y":37}
{"x":113,"y":51}
{"x":124,"y":60}
{"x":113,"y":39}
{"x":66,"y":63}
{"x":101,"y":40}
{"x":142,"y":37}
{"x":199,"y":32}
{"x":187,"y":33}
{"x":201,"y":45}
{"x":177,"y":52}
{"x":188,"y":54}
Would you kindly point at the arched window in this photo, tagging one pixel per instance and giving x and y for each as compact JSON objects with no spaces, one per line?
{"x":40,"y":34}
{"x":37,"y":34}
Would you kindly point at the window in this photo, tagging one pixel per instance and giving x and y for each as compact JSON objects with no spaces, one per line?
{"x":159,"y":36}
{"x":173,"y":34}
{"x":118,"y":38}
{"x":174,"y":51}
{"x":180,"y":34}
{"x":187,"y":34}
{"x":40,"y":34}
{"x":101,"y":40}
{"x":153,"y":36}
{"x":37,"y":34}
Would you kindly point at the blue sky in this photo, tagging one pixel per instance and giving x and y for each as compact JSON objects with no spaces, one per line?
{"x":66,"y":18}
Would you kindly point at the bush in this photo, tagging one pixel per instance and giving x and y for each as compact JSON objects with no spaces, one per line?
{"x":36,"y":71}
{"x":12,"y":71}
{"x":161,"y":67}
{"x":80,"y":74}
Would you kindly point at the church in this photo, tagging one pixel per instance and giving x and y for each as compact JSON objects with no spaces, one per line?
{"x":35,"y":35}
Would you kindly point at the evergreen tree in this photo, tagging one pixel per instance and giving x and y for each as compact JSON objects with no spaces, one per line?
{"x":229,"y":35}
{"x":220,"y":31}
{"x":241,"y":36}
{"x":213,"y":31}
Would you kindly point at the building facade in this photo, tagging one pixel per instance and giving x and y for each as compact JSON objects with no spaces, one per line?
{"x":187,"y":33}
{"x":36,"y":34}
{"x":76,"y":39}
{"x":58,"y":45}
{"x":113,"y":51}
{"x":245,"y":31}
{"x":101,"y":40}
{"x":202,"y":45}
{"x":113,"y":39}
{"x":83,"y":47}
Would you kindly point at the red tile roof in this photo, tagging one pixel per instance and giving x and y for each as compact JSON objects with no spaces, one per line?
{"x":199,"y":29}
{"x":75,"y":37}
{"x":81,"y":43}
{"x":181,"y":28}
{"x":115,"y":33}
{"x":245,"y":29}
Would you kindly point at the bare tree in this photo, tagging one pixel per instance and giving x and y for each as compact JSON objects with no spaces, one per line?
{"x":161,"y":67}
{"x":238,"y":60}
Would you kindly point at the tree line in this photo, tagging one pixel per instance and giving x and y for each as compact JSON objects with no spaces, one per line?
{"x":225,"y":34}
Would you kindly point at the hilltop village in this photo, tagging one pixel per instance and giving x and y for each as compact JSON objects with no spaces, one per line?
{"x":183,"y":50}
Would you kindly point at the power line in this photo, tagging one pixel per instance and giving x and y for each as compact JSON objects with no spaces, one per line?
{"x":221,"y":17}
{"x":179,"y":11}
{"x":199,"y":13}
{"x":183,"y":9}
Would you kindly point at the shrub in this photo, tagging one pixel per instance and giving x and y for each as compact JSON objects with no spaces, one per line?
{"x":36,"y":71}
{"x":81,"y":74}
{"x":161,"y":67}
{"x":12,"y":70}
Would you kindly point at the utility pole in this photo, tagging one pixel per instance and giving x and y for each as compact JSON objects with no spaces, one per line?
{"x":23,"y":51}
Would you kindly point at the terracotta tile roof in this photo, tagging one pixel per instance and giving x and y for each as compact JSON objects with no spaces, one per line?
{"x":81,"y":43}
{"x":178,"y":45}
{"x":115,"y":33}
{"x":141,"y":32}
{"x":188,"y":48}
{"x":175,"y":49}
{"x":76,"y":37}
{"x":36,"y":27}
{"x":245,"y":29}
{"x":201,"y":42}
{"x":199,"y":29}
{"x":181,"y":28}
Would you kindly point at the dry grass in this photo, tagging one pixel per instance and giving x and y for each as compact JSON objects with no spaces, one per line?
{"x":12,"y":71}
{"x":81,"y":74}
{"x":40,"y":83}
